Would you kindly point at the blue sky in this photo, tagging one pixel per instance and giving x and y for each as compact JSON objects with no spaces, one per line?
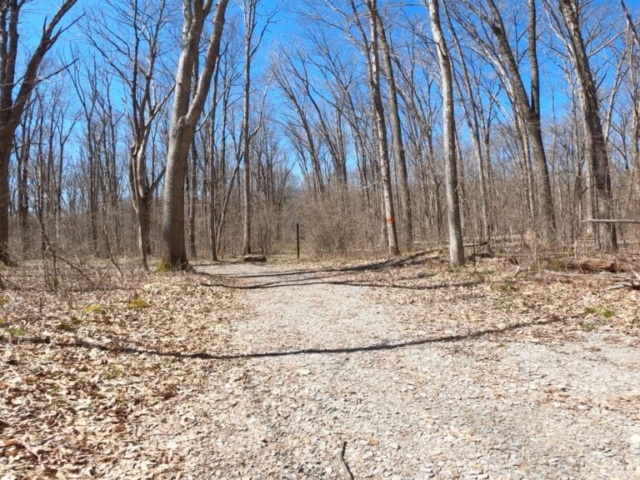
{"x":285,"y":31}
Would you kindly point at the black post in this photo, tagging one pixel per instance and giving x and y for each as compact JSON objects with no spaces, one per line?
{"x":298,"y":240}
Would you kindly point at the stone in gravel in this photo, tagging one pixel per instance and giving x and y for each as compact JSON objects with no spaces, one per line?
{"x":634,"y":439}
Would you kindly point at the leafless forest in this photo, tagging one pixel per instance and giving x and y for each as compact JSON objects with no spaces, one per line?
{"x":377,"y":126}
{"x":465,"y":176}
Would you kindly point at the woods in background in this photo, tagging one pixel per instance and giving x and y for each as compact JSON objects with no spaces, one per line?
{"x":210,"y":129}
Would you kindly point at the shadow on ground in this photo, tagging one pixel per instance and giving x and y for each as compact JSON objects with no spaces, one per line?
{"x":305,"y":277}
{"x":140,"y":350}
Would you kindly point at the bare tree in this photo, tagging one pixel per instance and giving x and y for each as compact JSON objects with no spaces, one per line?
{"x":633,"y":46}
{"x":568,"y":23}
{"x":251,"y":46}
{"x":373,"y":70}
{"x":505,"y":58}
{"x":12,"y":108}
{"x":292,"y":77}
{"x":88,"y":88}
{"x":478,"y":119}
{"x":396,"y":130}
{"x":128,"y":36}
{"x":226,"y":75}
{"x":184,"y":118}
{"x":456,"y":249}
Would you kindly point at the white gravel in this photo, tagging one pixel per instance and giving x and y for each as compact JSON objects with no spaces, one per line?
{"x":470,"y":409}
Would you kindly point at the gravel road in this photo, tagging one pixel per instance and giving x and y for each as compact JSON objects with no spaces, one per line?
{"x":325,"y":364}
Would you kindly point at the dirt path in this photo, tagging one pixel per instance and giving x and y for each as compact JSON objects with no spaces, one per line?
{"x":471,"y":408}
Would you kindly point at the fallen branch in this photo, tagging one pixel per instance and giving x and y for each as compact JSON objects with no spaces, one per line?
{"x":598,"y":220}
{"x":633,"y":285}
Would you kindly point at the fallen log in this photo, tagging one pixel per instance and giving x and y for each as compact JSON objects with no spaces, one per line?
{"x":255,"y":258}
{"x":593,"y":265}
{"x":602,"y":220}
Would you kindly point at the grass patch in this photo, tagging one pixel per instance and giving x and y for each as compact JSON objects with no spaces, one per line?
{"x":163,"y":266}
{"x":17,"y":332}
{"x":137,"y":304}
{"x":94,"y":308}
{"x":606,"y":313}
{"x":113,"y":372}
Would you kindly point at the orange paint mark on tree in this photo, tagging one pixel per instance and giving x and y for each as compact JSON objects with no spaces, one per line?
{"x":391,"y":220}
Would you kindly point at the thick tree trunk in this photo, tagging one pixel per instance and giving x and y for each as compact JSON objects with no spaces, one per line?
{"x":193,"y":199}
{"x":635,"y":161}
{"x":144,"y":222}
{"x":184,"y":116}
{"x":180,"y":139}
{"x":456,"y":249}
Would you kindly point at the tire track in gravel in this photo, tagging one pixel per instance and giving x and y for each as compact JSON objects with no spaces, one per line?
{"x":480,"y":410}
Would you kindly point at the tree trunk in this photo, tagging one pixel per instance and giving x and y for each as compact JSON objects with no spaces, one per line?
{"x":185,"y":114}
{"x":249,"y":21}
{"x":381,"y":131}
{"x":530,"y":110}
{"x":23,"y":192}
{"x":396,"y":131}
{"x":596,"y":147}
{"x":6,"y":138}
{"x":193,"y":199}
{"x":173,"y":213}
{"x":474,"y":114}
{"x":456,"y":249}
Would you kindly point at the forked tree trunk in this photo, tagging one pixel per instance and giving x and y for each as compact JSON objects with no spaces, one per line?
{"x":184,"y":117}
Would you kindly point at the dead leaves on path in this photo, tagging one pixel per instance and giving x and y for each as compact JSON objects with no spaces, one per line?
{"x":438,"y":301}
{"x":78,"y":412}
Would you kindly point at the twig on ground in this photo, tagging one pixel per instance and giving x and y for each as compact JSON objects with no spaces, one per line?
{"x":345,"y":468}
